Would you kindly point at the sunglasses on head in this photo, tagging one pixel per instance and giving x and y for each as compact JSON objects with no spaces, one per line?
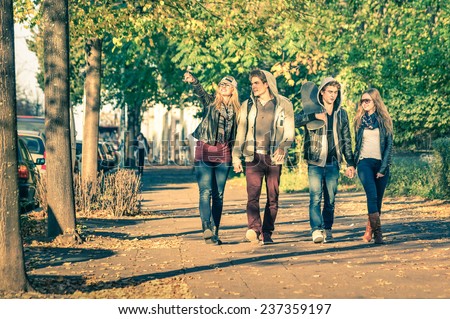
{"x":363,"y":101}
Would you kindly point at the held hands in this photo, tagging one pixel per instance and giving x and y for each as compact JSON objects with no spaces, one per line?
{"x":379,"y":175}
{"x":237,"y":168}
{"x":188,"y":78}
{"x":278,"y":155}
{"x":350,"y":172}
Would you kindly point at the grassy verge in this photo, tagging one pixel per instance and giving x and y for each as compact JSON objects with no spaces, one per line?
{"x":410,"y":176}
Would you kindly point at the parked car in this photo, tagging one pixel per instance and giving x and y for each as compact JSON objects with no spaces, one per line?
{"x":28,"y":175}
{"x":78,"y":147}
{"x":105,"y":162}
{"x":35,"y":142}
{"x":111,"y":153}
{"x":37,"y":123}
{"x":105,"y":159}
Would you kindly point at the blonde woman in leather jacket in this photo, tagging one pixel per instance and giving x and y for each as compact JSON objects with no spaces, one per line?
{"x":373,"y":152}
{"x":215,"y":135}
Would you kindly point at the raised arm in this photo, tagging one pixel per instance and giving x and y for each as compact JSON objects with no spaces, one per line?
{"x":205,"y":98}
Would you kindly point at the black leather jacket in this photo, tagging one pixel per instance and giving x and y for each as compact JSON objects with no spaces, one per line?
{"x":386,"y":145}
{"x":315,"y":139}
{"x":207,"y":130}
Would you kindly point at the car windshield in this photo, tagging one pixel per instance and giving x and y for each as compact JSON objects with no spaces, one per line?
{"x":34,"y":144}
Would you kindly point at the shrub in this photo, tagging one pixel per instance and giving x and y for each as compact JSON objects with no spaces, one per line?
{"x":440,"y":167}
{"x":41,"y":192}
{"x":120,"y":193}
{"x":409,"y":176}
{"x":86,"y":194}
{"x":294,"y":179}
{"x":116,"y":193}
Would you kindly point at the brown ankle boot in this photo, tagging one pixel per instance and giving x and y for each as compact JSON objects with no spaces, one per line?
{"x":367,"y":237}
{"x":375,"y":224}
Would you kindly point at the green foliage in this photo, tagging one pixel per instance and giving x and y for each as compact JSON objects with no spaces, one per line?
{"x":25,"y":10}
{"x":441,"y":167}
{"x":410,"y":176}
{"x":399,"y":47}
{"x":295,"y":179}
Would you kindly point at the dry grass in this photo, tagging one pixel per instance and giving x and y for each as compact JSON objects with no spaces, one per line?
{"x":41,"y":192}
{"x":120,"y":193}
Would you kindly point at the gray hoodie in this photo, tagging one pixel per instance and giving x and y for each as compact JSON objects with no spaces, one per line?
{"x":316,"y":144}
{"x":283,"y":126}
{"x":337,"y":102}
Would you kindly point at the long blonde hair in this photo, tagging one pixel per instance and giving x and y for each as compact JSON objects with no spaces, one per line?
{"x":234,"y":99}
{"x":380,"y":109}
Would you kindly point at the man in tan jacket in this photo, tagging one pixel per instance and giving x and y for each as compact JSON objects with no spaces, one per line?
{"x":265,"y":133}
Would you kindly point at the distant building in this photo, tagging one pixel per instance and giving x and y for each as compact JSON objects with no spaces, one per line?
{"x":168,"y":132}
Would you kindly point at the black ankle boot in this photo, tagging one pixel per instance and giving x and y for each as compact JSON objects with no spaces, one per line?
{"x":215,"y":238}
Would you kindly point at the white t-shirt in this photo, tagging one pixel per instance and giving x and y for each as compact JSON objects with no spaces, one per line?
{"x":370,"y":147}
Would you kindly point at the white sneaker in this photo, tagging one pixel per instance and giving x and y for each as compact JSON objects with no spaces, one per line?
{"x":252,"y":236}
{"x":207,"y":234}
{"x":317,"y":236}
{"x":328,"y":236}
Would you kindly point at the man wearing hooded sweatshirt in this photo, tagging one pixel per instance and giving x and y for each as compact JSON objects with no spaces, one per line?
{"x":325,"y":145}
{"x":264,"y":134}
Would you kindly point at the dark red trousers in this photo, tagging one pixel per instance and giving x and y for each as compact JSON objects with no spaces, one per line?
{"x":256,"y":171}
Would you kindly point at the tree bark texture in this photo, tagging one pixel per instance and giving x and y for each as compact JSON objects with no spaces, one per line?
{"x":133,"y":114}
{"x":92,"y":110}
{"x":12,"y":267}
{"x":60,"y":193}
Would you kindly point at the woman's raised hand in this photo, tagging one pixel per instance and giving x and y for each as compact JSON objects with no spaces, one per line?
{"x":188,"y":77}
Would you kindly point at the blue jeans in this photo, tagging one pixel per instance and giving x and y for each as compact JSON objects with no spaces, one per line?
{"x":322,"y":180}
{"x":374,"y":187}
{"x":211,"y":179}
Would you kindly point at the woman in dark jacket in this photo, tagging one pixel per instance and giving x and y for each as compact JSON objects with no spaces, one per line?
{"x":215,"y":135}
{"x":142,"y":151}
{"x":374,"y":139}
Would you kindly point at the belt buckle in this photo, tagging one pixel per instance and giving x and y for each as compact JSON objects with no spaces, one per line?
{"x":262,"y":152}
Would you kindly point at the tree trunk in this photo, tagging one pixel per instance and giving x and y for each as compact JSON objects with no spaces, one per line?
{"x":133,"y":115}
{"x":13,"y":277}
{"x":60,"y":194}
{"x":92,"y":111}
{"x":137,"y":118}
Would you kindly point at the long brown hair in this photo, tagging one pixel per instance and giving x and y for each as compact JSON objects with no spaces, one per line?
{"x":380,"y":109}
{"x":234,"y":99}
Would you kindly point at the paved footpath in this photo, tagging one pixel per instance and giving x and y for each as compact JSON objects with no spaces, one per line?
{"x":166,"y":243}
{"x":414,"y":264}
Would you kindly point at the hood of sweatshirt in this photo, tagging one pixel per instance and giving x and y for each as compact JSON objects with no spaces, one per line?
{"x":337,"y":102}
{"x":272,"y":85}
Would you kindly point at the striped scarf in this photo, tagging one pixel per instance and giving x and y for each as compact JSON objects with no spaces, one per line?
{"x":225,"y":123}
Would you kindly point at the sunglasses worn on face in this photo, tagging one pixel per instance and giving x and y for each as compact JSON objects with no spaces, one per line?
{"x":364,"y":101}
